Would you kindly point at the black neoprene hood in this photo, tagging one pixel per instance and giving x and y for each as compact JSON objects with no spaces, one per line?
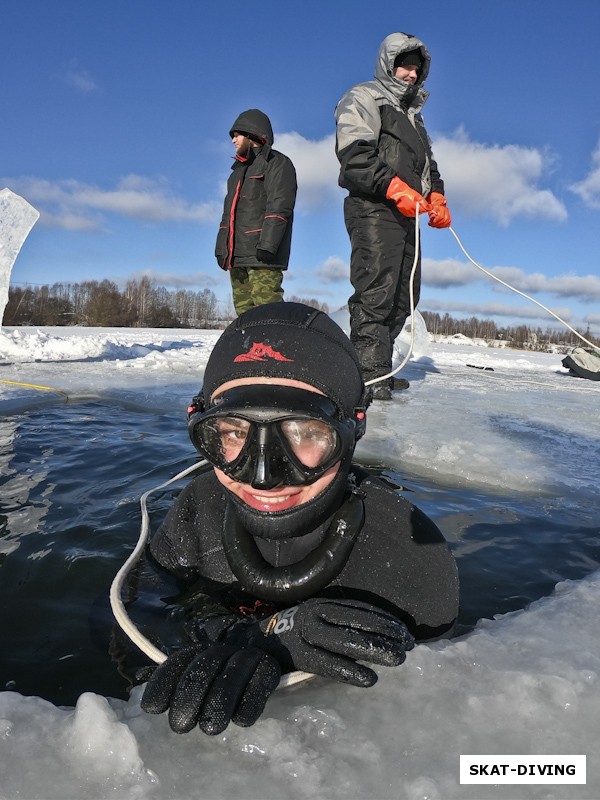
{"x":288,"y":340}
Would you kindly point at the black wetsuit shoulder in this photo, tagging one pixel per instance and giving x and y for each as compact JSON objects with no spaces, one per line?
{"x":188,"y":543}
{"x":401,"y":562}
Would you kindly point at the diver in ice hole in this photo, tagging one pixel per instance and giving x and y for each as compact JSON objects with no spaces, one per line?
{"x":305,"y":561}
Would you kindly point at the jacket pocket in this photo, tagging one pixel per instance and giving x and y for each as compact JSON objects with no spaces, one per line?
{"x":253,"y":188}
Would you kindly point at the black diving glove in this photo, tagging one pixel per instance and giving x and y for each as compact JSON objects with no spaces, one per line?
{"x":328,"y":638}
{"x":211,"y":687}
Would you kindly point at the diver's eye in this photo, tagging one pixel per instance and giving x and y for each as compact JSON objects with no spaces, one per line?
{"x":227,"y":435}
{"x":312,"y":441}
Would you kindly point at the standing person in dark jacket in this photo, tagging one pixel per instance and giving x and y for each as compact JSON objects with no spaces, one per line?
{"x":296,"y":557}
{"x":255,"y":234}
{"x":388,"y":168}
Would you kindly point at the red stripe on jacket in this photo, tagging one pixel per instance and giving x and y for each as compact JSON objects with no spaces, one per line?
{"x":230,"y":238}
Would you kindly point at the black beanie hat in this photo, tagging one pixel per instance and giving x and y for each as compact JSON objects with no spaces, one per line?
{"x":411,"y":58}
{"x":288,"y":340}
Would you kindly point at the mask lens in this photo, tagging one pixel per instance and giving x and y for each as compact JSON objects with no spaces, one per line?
{"x":224,"y":437}
{"x":288,"y":436}
{"x":311,"y":441}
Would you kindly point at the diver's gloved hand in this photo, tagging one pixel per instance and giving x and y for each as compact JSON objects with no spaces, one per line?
{"x":328,"y":638}
{"x":211,"y":687}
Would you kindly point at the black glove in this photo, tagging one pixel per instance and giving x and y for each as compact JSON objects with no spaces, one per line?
{"x":328,"y":638}
{"x":265,"y":255}
{"x":211,"y":687}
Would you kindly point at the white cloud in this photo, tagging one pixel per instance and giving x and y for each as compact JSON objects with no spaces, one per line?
{"x":500,"y":183}
{"x":317,"y":168}
{"x":496,"y":182}
{"x":73,"y":205}
{"x":197,"y":280}
{"x":449,"y":272}
{"x":585,"y":288}
{"x":68,"y":221}
{"x":143,"y":199}
{"x":492,"y":310}
{"x":79,"y":79}
{"x":482,"y":180}
{"x":589,"y":188}
{"x":333,"y":270}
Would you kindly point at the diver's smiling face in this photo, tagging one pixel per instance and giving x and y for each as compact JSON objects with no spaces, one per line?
{"x":279,"y":498}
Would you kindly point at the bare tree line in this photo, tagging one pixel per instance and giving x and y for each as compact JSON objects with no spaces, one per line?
{"x":140,"y":304}
{"x":519,"y":337}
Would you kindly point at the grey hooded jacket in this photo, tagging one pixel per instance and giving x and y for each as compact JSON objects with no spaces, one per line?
{"x":380,"y":130}
{"x":259,"y":206}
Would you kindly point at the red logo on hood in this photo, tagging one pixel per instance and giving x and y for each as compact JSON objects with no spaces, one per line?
{"x":261,"y":352}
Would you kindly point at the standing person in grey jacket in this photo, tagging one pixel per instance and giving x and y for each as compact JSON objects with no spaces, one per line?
{"x":388,"y":168}
{"x":255,"y":234}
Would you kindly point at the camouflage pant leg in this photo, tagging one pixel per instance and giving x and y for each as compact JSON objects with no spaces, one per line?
{"x":266,"y":285}
{"x":241,"y":289}
{"x":255,"y":287}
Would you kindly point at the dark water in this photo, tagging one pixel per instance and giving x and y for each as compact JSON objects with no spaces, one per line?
{"x":71,"y":480}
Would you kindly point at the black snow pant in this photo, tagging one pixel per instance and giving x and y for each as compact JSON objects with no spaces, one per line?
{"x":383,"y":252}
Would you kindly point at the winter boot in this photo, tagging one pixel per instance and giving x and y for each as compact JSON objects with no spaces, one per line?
{"x":381,"y":392}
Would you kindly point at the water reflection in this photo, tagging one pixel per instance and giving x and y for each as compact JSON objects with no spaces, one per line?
{"x":23,"y":507}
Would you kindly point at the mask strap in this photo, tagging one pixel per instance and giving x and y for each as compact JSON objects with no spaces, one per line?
{"x":360,"y":414}
{"x":197,"y":404}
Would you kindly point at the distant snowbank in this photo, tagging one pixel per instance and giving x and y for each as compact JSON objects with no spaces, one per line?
{"x":56,"y":343}
{"x":501,"y":344}
{"x":22,"y":344}
{"x":459,"y":338}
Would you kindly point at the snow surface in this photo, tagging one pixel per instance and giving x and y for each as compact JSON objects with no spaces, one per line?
{"x":525,"y":683}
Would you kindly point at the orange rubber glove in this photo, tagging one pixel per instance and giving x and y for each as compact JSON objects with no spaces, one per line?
{"x":406,"y":199}
{"x":439,"y":216}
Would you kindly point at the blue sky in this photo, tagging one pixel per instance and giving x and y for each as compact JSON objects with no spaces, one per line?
{"x":116,"y":115}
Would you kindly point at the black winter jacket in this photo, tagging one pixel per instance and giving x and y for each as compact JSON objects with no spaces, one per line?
{"x":259,"y":206}
{"x":400,"y":561}
{"x":380,"y":130}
